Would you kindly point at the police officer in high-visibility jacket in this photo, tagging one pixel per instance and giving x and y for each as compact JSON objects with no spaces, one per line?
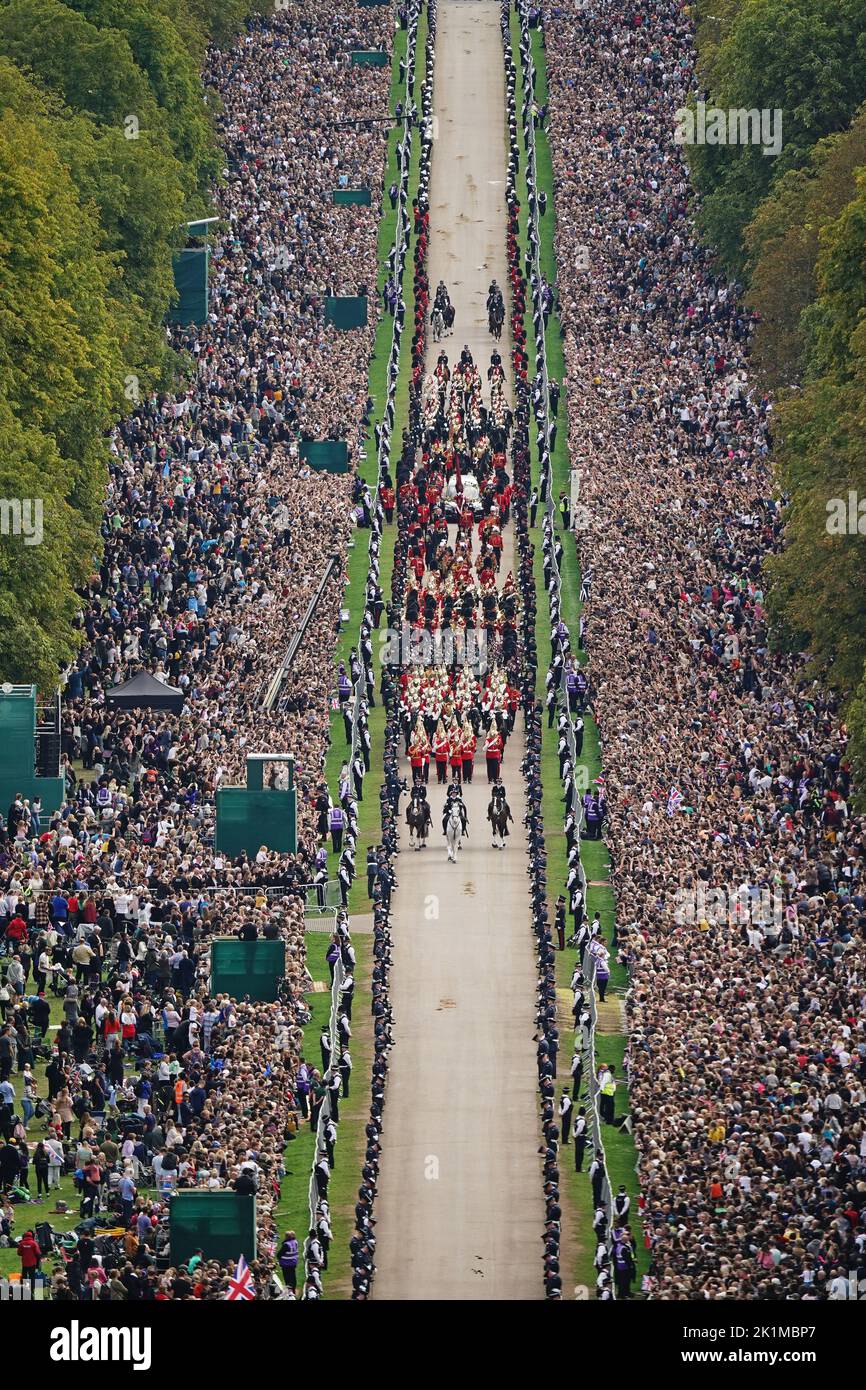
{"x":493,"y":753}
{"x":607,"y":1093}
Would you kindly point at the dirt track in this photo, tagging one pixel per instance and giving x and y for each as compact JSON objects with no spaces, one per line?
{"x":460,"y":1211}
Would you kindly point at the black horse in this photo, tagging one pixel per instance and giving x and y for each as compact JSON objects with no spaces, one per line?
{"x":495,"y":316}
{"x":419,"y":820}
{"x":499,"y":814}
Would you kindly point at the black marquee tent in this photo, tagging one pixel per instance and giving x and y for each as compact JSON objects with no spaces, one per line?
{"x":144,"y":691}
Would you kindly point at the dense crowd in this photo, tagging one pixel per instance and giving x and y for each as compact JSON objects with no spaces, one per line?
{"x":725,"y":766}
{"x":216,"y":535}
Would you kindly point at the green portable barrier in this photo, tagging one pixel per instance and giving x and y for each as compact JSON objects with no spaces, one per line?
{"x":248,"y":819}
{"x":220,"y":1224}
{"x":343,"y":197}
{"x":17,"y":735}
{"x":247,"y":967}
{"x":346,"y":311}
{"x":18,"y":771}
{"x":190,"y":280}
{"x":326,"y":455}
{"x":369,"y":58}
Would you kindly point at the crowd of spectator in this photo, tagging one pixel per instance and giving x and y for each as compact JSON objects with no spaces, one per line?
{"x":725,"y":764}
{"x":216,"y":535}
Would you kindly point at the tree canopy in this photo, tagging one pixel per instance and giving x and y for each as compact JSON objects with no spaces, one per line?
{"x":794,"y":229}
{"x":107,"y":147}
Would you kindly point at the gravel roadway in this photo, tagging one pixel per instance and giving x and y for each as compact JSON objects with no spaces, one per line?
{"x":460,"y":1211}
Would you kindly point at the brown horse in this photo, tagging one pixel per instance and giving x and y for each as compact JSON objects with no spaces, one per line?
{"x":418,"y":819}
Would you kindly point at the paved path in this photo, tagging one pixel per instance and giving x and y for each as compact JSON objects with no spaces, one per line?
{"x":460,"y":1210}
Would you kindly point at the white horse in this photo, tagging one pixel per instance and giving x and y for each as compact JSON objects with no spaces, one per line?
{"x":454,"y":832}
{"x":437,"y":323}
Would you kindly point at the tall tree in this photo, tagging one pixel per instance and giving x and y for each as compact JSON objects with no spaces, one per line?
{"x":173,"y":74}
{"x":806,"y":58}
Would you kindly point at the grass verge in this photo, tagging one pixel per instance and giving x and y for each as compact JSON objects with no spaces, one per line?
{"x":293,"y":1211}
{"x":579,"y":1243}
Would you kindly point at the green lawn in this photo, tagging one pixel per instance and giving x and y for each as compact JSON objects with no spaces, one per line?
{"x":610,"y":1047}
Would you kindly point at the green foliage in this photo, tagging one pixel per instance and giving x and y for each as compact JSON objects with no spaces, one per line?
{"x":132,"y":188}
{"x":795,"y":228}
{"x":173,"y":72}
{"x":90,"y":69}
{"x":91,"y":208}
{"x":38,"y":601}
{"x":818,"y":589}
{"x":216,"y":21}
{"x":125,"y":65}
{"x":59,"y":363}
{"x":804,"y":57}
{"x":783,"y":242}
{"x":857,"y":724}
{"x":60,"y":359}
{"x":817,"y":581}
{"x":832,"y":320}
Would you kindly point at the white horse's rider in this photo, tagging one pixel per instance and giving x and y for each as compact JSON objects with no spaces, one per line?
{"x":454,"y":796}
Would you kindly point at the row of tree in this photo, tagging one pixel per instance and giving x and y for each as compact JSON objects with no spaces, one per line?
{"x":792,"y":229}
{"x":107,"y":147}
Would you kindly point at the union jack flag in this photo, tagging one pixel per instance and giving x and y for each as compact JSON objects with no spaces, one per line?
{"x":242,"y":1284}
{"x":675,"y":798}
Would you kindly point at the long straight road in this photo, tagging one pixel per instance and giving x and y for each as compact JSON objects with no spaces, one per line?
{"x":460,"y":1211}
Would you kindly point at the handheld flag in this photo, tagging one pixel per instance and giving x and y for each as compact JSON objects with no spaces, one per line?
{"x":241,"y":1287}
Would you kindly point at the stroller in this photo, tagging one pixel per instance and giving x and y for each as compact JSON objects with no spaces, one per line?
{"x":44,"y":1236}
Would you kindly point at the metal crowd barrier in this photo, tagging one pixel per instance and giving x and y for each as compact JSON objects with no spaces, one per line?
{"x":20,"y":1291}
{"x":325,"y":1109}
{"x":275,"y":689}
{"x":318,"y":897}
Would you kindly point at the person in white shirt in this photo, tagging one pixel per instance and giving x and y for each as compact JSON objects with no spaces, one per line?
{"x":55,"y":1161}
{"x":839,"y":1287}
{"x":45,"y":968}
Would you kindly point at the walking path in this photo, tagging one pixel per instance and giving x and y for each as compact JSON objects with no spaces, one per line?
{"x":460,"y":1211}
